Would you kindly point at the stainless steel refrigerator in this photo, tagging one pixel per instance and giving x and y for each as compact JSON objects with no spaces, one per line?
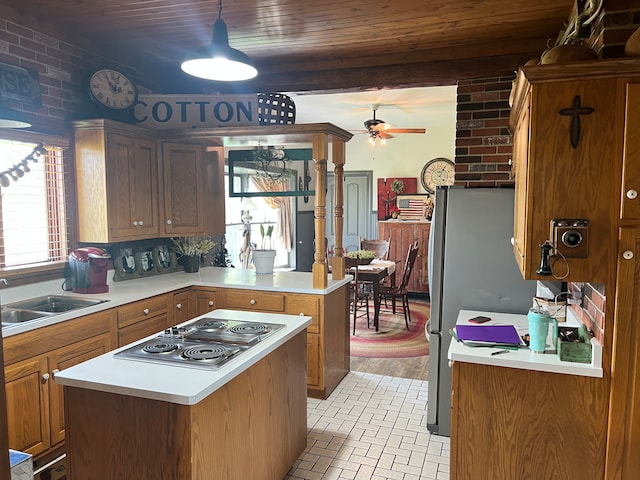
{"x":471,"y":267}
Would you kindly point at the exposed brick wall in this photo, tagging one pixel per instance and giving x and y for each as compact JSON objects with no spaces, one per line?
{"x":613,"y":27}
{"x":590,"y":310}
{"x":483,"y":140}
{"x":62,"y":67}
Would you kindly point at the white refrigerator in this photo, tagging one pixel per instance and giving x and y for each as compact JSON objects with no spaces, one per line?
{"x":471,"y":266}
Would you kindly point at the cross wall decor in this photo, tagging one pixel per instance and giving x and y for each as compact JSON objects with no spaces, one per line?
{"x":575,"y":111}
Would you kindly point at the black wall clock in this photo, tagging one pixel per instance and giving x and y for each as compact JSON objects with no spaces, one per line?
{"x":111,"y":90}
{"x":437,"y":172}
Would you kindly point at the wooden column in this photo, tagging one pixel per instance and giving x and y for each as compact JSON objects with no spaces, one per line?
{"x":338,"y":158}
{"x":320,"y":269}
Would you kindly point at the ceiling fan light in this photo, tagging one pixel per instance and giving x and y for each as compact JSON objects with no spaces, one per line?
{"x":219,"y":61}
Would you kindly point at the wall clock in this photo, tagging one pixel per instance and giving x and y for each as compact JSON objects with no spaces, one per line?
{"x":111,"y":89}
{"x":437,"y":172}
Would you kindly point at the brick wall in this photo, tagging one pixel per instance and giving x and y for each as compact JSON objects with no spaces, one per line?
{"x":613,"y":27}
{"x":483,"y":140}
{"x":62,"y":67}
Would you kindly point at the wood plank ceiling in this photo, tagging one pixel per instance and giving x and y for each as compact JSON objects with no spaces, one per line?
{"x":307,"y":45}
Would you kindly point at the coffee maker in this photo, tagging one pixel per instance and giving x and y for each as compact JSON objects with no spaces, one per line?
{"x":89,"y":267}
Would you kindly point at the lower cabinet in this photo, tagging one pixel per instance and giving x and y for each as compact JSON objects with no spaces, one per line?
{"x":35,"y":403}
{"x":403,"y":234}
{"x":140,"y":319}
{"x":327,"y":336}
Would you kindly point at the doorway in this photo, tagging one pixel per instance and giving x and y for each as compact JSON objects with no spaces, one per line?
{"x":357,"y":221}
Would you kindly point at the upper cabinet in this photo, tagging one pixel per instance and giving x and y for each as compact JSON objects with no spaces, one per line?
{"x":568,"y":125}
{"x":133,"y":185}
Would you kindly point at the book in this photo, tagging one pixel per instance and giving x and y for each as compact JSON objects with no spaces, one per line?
{"x":488,"y":335}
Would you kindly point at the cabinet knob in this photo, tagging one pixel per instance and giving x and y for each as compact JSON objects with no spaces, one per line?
{"x":211,"y":303}
{"x":301,"y":314}
{"x":179,"y":306}
{"x":169,"y":221}
{"x":145,"y":311}
{"x":55,"y":371}
{"x":140,"y":223}
{"x":627,"y":255}
{"x":632,"y":194}
{"x":135,"y":223}
{"x":252,"y":302}
{"x":45,"y":377}
{"x":513,"y":241}
{"x":510,"y":162}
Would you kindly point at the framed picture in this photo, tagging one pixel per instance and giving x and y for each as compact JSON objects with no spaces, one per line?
{"x":126,"y":265}
{"x":166,"y":259}
{"x":387,"y":197}
{"x":147,"y":258}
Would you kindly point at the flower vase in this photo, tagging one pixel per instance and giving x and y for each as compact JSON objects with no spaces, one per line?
{"x":263,"y":261}
{"x":192,"y":264}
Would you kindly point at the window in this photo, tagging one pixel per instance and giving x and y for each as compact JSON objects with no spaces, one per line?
{"x":33,"y":203}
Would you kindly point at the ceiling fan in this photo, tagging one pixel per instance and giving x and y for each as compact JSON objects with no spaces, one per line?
{"x":379,"y":129}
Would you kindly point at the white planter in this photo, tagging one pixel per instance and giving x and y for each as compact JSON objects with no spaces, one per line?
{"x":263,"y":260}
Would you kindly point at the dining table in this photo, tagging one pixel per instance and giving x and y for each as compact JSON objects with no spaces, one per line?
{"x":375,"y":272}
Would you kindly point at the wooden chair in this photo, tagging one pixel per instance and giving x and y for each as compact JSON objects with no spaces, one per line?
{"x":400,"y":290}
{"x":358,"y":296}
{"x":381,"y":247}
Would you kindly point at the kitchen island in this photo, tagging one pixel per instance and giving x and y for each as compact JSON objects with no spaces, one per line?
{"x":135,"y":419}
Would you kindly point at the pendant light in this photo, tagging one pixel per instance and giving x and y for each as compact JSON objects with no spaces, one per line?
{"x":10,"y":118}
{"x":219,"y":61}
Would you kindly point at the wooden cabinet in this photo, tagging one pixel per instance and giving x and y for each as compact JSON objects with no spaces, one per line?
{"x":327,"y":336}
{"x":403,"y":234}
{"x":190,"y":303}
{"x":35,"y":403}
{"x":140,"y":319}
{"x":502,"y":416}
{"x":133,"y":184}
{"x":567,"y":161}
{"x":204,"y":300}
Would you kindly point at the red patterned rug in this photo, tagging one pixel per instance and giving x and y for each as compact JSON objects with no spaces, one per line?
{"x":392,"y":340}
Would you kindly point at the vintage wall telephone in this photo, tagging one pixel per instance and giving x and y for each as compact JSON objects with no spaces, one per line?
{"x":569,"y":238}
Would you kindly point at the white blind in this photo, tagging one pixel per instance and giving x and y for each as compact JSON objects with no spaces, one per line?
{"x":33,"y":223}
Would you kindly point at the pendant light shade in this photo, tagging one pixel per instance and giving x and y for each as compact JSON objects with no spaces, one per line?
{"x":10,"y":118}
{"x":219,"y":61}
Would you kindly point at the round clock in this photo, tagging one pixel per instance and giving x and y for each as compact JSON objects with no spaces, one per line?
{"x":437,"y":172}
{"x":112,"y":89}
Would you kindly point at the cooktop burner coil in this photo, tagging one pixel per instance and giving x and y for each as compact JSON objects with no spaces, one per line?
{"x":160,"y":347}
{"x":206,"y":352}
{"x":250,"y":329}
{"x":210,"y":324}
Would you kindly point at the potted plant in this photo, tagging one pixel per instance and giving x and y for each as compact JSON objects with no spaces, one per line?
{"x":395,"y":212}
{"x":263,"y":257}
{"x":191,"y":248}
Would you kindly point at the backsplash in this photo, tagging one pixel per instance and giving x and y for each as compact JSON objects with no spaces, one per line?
{"x":590,"y":310}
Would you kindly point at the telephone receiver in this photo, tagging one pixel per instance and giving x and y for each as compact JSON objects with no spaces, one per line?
{"x":545,"y":252}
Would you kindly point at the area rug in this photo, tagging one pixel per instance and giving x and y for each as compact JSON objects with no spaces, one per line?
{"x":392,"y":340}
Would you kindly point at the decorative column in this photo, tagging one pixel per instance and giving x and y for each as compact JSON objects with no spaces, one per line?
{"x":320,"y":268}
{"x":338,"y":158}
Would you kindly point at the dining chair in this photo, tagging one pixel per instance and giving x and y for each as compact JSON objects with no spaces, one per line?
{"x":380,"y":247}
{"x":358,"y":296}
{"x":400,"y":290}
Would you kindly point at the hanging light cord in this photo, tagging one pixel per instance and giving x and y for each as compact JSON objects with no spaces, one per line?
{"x":19,"y":169}
{"x":219,"y":9}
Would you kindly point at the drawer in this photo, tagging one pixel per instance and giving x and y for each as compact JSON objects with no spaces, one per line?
{"x":252,"y":300}
{"x":308,"y":305}
{"x":138,"y":311}
{"x":140,"y":330}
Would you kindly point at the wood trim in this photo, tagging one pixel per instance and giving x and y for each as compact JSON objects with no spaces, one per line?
{"x":4,"y":439}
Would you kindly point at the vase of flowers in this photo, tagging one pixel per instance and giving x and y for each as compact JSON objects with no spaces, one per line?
{"x":190,"y":250}
{"x":395,"y":212}
{"x":264,"y":257}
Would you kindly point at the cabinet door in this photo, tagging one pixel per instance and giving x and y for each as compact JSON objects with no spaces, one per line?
{"x":28,"y":405}
{"x":182,"y":173}
{"x":313,"y":360}
{"x":631,"y":161}
{"x":204,"y":301}
{"x":132,"y":170}
{"x":520,"y":159}
{"x":181,"y":310}
{"x":64,"y":358}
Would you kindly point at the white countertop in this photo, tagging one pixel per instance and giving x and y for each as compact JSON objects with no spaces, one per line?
{"x":523,"y":358}
{"x":178,"y":384}
{"x":133,"y":290}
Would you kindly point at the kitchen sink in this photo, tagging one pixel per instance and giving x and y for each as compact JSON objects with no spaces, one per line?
{"x":12,"y":315}
{"x":54,"y":303}
{"x":41,"y":307}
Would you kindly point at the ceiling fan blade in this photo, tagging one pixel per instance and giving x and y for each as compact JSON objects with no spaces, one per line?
{"x":381,"y":126}
{"x":384,"y":134}
{"x":407,"y":130}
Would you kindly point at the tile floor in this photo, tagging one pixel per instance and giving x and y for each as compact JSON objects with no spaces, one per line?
{"x":372,"y":427}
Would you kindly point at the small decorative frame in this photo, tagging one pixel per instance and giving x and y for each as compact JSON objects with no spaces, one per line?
{"x":126,"y":264}
{"x":166,"y":259}
{"x":147,"y":259}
